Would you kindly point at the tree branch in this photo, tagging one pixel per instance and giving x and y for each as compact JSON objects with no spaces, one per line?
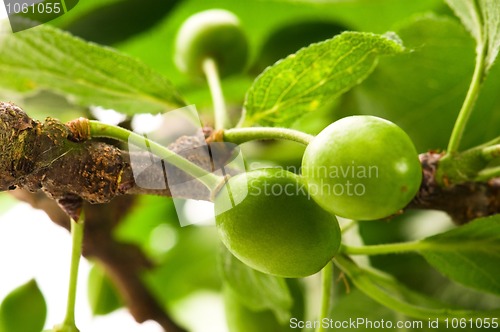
{"x":51,"y":157}
{"x":463,"y":202}
{"x":57,"y":159}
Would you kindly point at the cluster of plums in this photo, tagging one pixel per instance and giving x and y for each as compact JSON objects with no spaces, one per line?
{"x":359,"y":167}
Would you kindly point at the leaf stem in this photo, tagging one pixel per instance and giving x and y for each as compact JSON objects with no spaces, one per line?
{"x":326,"y":288}
{"x":242,"y":135}
{"x":220,"y":112}
{"x":488,"y":174}
{"x":491,"y":152}
{"x":376,"y":287}
{"x":210,"y":180}
{"x":77,"y":230}
{"x":65,"y":9}
{"x":381,"y":249}
{"x":468,"y":105}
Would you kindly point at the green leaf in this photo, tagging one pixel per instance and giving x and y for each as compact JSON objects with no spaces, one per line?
{"x":482,"y":19}
{"x":88,"y":74}
{"x":306,"y":80}
{"x":426,"y":85}
{"x":491,"y":17}
{"x":389,"y":292}
{"x":102,"y":295}
{"x":123,"y":19}
{"x":256,"y":290}
{"x":241,"y":319}
{"x":469,"y":254}
{"x":468,"y":13}
{"x":347,"y":305}
{"x":260,"y":21}
{"x":189,"y":266}
{"x":24,"y":309}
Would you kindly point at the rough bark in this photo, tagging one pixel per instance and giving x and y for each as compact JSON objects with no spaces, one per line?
{"x":52,"y":157}
{"x":462,"y":202}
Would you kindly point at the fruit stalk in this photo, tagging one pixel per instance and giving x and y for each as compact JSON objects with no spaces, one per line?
{"x":98,"y":129}
{"x":380,"y":249}
{"x":470,"y":100}
{"x":371,"y":283}
{"x":326,"y":285}
{"x":242,"y":135}
{"x":212,"y":74}
{"x":77,"y":228}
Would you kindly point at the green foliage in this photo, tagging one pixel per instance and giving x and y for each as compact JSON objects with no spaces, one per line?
{"x":102,"y":295}
{"x":389,"y":292}
{"x":348,"y":303}
{"x":303,"y":82}
{"x":24,"y":309}
{"x":468,"y":14}
{"x":242,"y":319}
{"x":154,"y":227}
{"x":469,"y":254}
{"x":47,"y":58}
{"x":426,"y":85}
{"x":491,"y":18}
{"x":256,"y":290}
{"x":121,"y":19}
{"x":482,"y":20}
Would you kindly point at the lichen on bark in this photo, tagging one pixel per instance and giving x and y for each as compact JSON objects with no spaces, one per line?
{"x":17,"y":131}
{"x":41,"y":156}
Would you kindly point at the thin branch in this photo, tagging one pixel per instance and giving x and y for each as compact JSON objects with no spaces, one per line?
{"x":51,"y":156}
{"x":463,"y":202}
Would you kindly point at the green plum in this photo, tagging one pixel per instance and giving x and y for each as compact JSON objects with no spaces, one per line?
{"x":362,"y":167}
{"x":214,"y":34}
{"x":273,"y":225}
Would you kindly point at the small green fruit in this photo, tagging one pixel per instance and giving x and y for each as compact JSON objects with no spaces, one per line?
{"x":276,"y":228}
{"x":362,"y":167}
{"x":215,"y":34}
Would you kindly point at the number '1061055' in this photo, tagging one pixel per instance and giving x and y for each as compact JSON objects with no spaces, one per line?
{"x":472,"y":323}
{"x":38,"y":8}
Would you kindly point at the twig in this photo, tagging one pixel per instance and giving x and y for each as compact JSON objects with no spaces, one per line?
{"x":463,"y":202}
{"x":52,"y":157}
